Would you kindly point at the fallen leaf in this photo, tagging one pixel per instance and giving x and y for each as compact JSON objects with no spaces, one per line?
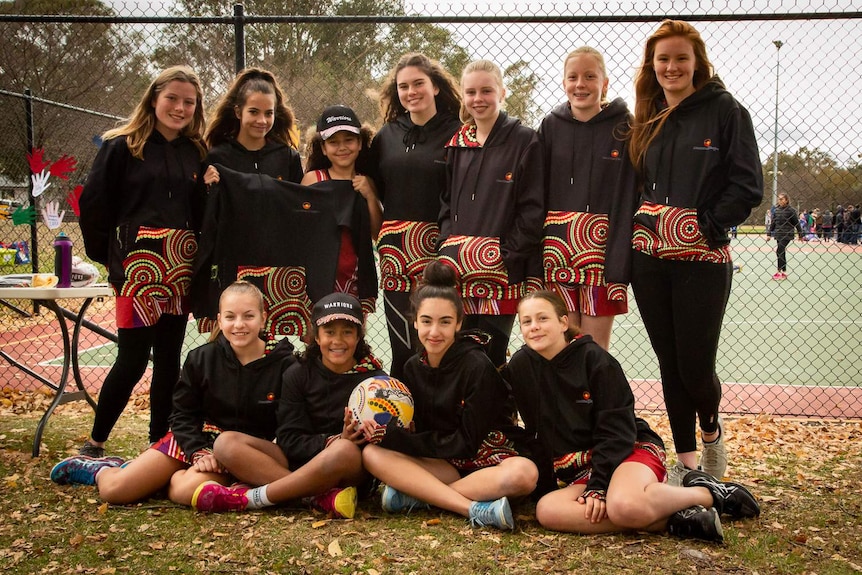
{"x":430,"y":522}
{"x":76,"y":540}
{"x":334,"y":548}
{"x":103,"y":508}
{"x":319,"y":524}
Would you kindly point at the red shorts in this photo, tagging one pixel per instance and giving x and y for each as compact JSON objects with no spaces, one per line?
{"x":643,"y":456}
{"x":589,"y":300}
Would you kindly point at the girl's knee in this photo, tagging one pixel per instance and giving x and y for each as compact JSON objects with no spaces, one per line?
{"x":522,"y":476}
{"x":628,"y":512}
{"x":548,"y":514}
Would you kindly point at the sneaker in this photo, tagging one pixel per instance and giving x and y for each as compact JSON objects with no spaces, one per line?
{"x":495,"y":513}
{"x":675,"y":473}
{"x":777,"y":276}
{"x":395,"y":501}
{"x":696,"y":522}
{"x":713,"y":460}
{"x":212,"y":497}
{"x":81,"y":470}
{"x":339,"y":503}
{"x":784,"y":275}
{"x":728,"y":498}
{"x":91,"y":450}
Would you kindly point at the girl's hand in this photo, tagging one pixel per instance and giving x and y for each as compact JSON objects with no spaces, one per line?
{"x":349,"y":430}
{"x":211,"y":176}
{"x":372,"y":431}
{"x":365,"y":186}
{"x":595,"y":510}
{"x":208,"y":464}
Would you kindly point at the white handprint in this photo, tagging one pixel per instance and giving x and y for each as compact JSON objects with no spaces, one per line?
{"x":50,"y":216}
{"x":40,"y":182}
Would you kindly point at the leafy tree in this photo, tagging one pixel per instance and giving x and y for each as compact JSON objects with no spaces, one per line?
{"x":318,"y":64}
{"x":520,"y":84}
{"x":91,"y":66}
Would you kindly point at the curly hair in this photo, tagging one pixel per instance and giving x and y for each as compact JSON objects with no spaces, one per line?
{"x":316,"y":160}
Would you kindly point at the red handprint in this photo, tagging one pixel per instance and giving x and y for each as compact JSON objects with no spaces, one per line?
{"x":73,"y":199}
{"x":63,"y":167}
{"x":36,"y":161}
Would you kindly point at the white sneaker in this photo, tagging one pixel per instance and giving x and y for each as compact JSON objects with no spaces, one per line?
{"x":713,"y":460}
{"x":675,"y":473}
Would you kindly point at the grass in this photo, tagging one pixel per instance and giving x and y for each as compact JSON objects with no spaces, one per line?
{"x":806,"y":474}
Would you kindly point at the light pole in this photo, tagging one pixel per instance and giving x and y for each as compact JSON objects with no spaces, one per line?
{"x":778,"y":45}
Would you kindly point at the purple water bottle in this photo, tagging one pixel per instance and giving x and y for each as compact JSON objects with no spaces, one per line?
{"x":63,"y":260}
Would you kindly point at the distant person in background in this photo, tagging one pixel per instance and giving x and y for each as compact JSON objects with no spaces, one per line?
{"x":784,"y":223}
{"x":693,"y":192}
{"x":828,"y":219}
{"x":419,"y":102}
{"x":137,"y":218}
{"x":590,"y":194}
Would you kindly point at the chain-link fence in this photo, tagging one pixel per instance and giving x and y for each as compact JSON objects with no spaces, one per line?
{"x":788,"y":347}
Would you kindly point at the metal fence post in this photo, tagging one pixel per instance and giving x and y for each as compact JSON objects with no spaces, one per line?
{"x":239,"y":36}
{"x":34,"y":240}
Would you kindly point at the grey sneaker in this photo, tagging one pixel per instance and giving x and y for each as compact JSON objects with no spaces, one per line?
{"x":696,"y":522}
{"x":675,"y":473}
{"x":91,"y":450}
{"x":728,"y":498}
{"x":713,"y":460}
{"x":495,"y":513}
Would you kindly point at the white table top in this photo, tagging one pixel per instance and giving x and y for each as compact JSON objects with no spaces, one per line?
{"x":43,"y":293}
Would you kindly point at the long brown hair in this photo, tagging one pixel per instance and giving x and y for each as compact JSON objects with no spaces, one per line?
{"x":143,"y":120}
{"x":448,"y":98}
{"x":649,"y":118}
{"x":224,"y":123}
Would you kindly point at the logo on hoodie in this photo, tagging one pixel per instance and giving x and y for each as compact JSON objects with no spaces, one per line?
{"x":707,"y":146}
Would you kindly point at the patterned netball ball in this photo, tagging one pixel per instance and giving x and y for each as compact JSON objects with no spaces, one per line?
{"x":380,"y":398}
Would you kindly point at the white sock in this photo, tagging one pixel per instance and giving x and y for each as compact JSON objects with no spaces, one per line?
{"x":257,"y":498}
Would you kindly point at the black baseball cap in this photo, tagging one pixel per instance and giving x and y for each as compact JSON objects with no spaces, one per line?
{"x":337,"y":119}
{"x":337,"y":306}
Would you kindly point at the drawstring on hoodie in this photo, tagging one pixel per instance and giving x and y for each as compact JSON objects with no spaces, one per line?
{"x":414,"y":135}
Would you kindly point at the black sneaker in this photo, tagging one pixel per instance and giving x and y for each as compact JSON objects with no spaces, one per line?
{"x":90,"y":450}
{"x":696,"y":522}
{"x":728,"y":498}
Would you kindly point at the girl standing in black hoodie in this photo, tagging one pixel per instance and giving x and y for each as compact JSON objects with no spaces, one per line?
{"x":138,"y":219}
{"x":460,"y":454}
{"x":493,"y":207}
{"x":252,"y":130}
{"x":784,"y":223}
{"x":419,"y":104}
{"x":589,"y":197}
{"x":696,"y":152}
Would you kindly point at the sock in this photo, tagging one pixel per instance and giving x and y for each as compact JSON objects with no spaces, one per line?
{"x":257,"y":498}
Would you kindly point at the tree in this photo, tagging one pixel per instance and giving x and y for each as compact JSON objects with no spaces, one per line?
{"x":317,"y":64}
{"x":520,"y":84}
{"x":92,"y":66}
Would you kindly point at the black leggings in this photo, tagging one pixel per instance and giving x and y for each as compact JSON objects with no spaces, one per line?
{"x":402,"y":335}
{"x":781,"y":243}
{"x":682,"y":305}
{"x":165,"y":339}
{"x":499,"y":327}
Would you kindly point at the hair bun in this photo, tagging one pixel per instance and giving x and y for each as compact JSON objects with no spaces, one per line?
{"x":439,"y":274}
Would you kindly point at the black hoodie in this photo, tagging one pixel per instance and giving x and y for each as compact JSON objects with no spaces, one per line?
{"x":123,"y":194}
{"x":456,"y":404}
{"x":409,"y":166}
{"x":706,"y":157}
{"x":496,"y":190}
{"x":587,"y":169}
{"x":312,"y":405}
{"x":274,"y":159}
{"x":580,"y":400}
{"x":214,"y":388}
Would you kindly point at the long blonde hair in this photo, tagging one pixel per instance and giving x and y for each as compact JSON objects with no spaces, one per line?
{"x":649,"y":119}
{"x":143,"y":120}
{"x":479,"y":66}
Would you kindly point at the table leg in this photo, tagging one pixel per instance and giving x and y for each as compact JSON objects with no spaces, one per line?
{"x":76,"y":371}
{"x":64,"y":376}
